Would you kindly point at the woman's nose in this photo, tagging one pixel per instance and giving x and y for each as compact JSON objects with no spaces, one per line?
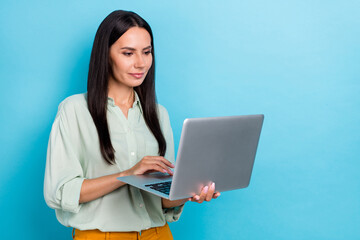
{"x":139,"y":62}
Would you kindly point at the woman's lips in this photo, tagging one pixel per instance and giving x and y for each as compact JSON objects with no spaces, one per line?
{"x":137,"y":75}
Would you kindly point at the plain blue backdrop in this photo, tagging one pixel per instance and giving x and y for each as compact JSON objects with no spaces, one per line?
{"x":297,"y":62}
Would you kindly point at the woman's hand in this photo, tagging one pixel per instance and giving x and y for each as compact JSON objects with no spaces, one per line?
{"x":92,"y":189}
{"x":207,"y":193}
{"x":151,"y":164}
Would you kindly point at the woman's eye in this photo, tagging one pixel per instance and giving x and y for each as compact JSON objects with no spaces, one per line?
{"x":147,"y":52}
{"x":127,"y":53}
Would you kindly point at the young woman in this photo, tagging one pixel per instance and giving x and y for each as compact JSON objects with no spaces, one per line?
{"x":115,"y":129}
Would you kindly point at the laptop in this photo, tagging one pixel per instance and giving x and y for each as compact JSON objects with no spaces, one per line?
{"x":215,"y":149}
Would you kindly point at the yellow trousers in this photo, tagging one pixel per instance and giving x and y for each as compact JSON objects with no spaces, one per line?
{"x":156,"y":233}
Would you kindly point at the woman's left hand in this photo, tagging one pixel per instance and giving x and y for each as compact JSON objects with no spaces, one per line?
{"x":207,"y":193}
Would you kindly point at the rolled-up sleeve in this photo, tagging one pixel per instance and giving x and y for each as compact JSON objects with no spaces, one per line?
{"x":171,"y":214}
{"x":63,"y":172}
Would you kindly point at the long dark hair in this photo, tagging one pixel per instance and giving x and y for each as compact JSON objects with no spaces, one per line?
{"x":110,"y":30}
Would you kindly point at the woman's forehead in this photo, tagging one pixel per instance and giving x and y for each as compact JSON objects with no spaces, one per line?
{"x":134,"y":37}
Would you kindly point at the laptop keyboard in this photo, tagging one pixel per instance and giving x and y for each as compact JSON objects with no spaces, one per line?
{"x":163,"y":187}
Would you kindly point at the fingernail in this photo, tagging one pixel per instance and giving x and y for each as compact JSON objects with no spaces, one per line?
{"x":206,"y":188}
{"x":197,"y":197}
{"x":172,"y":165}
{"x":212,"y":185}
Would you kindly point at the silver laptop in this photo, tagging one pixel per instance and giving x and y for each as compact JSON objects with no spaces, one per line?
{"x":216,"y":149}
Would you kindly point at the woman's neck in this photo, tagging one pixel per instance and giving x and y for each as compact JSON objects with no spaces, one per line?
{"x":123,"y":95}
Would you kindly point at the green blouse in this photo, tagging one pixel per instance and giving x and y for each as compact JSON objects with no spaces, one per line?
{"x":74,"y":155}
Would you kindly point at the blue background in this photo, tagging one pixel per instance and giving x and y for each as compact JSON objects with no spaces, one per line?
{"x":297,"y":62}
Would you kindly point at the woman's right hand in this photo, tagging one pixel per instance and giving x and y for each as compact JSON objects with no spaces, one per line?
{"x":151,"y":164}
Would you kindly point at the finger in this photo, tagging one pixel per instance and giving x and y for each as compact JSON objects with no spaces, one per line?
{"x":167,"y":162}
{"x":159,"y":168}
{"x":210,"y":192}
{"x":203,"y":193}
{"x":149,"y":160}
{"x":162,"y":165}
{"x":150,"y":167}
{"x":162,"y":159}
{"x":216,"y":195}
{"x":195,"y":198}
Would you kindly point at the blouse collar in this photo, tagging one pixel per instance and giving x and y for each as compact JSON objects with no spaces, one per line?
{"x":111,"y":102}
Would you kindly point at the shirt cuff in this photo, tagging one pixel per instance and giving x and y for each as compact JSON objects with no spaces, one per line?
{"x":173,"y":214}
{"x":71,"y":195}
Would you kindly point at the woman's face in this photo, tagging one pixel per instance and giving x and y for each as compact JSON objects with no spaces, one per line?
{"x":131,"y":57}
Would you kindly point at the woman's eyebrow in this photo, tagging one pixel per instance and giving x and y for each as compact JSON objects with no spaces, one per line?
{"x":133,"y":49}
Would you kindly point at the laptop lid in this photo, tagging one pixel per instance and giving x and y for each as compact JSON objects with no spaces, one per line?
{"x":216,"y":149}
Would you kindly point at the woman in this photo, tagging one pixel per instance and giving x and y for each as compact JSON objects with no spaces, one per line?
{"x":114,"y":130}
